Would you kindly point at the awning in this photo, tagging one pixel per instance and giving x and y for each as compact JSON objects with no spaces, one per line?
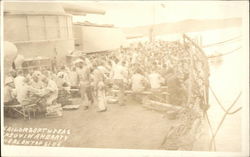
{"x":37,"y":8}
{"x":82,"y":8}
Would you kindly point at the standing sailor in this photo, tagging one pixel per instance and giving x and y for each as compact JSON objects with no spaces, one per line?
{"x":84,"y":78}
{"x":99,"y":88}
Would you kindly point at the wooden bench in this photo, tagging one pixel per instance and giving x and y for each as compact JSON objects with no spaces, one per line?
{"x":23,"y":110}
{"x":142,"y":93}
{"x":162,"y":107}
{"x":74,"y":90}
{"x":146,"y":94}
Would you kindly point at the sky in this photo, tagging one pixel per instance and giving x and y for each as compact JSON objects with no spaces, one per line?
{"x":129,"y":14}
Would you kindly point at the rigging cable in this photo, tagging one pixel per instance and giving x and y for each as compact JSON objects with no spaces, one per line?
{"x":222,"y":42}
{"x":222,"y":120}
{"x":227,"y":53}
{"x":218,"y":101}
{"x":211,"y":130}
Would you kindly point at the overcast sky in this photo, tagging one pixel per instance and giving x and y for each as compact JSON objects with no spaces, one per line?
{"x":128,"y":14}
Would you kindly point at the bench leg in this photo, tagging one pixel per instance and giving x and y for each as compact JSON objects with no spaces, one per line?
{"x":23,"y":113}
{"x":34,"y":113}
{"x":29,"y":114}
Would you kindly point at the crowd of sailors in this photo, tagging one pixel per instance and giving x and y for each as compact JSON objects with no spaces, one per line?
{"x":141,"y":67}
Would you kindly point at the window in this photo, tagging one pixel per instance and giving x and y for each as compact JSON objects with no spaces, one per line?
{"x":51,"y":27}
{"x":15,"y":28}
{"x":36,"y":28}
{"x":70,"y":31}
{"x":63,"y":27}
{"x":18,"y":28}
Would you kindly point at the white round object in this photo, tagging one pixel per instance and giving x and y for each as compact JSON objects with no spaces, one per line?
{"x":10,"y":53}
{"x":10,"y":50}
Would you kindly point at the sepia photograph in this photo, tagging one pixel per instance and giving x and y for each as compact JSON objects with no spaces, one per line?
{"x":149,"y":77}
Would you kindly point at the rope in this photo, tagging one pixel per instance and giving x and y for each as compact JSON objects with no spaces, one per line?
{"x":222,"y":105}
{"x":208,"y":121}
{"x":222,"y":120}
{"x":227,"y":53}
{"x":226,"y":111}
{"x":217,"y":99}
{"x":222,"y":42}
{"x":211,"y":129}
{"x":235,"y":111}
